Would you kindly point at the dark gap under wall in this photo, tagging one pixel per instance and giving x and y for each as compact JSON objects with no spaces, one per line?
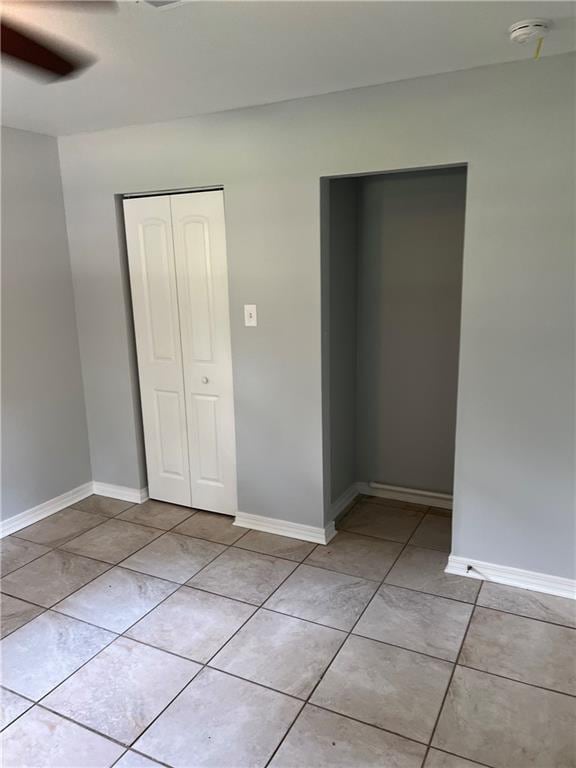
{"x":395,"y":284}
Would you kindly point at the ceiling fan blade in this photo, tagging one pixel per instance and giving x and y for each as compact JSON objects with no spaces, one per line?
{"x":72,"y":5}
{"x":48,"y":57}
{"x":86,"y":5}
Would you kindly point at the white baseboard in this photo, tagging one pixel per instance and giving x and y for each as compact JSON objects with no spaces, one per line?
{"x":411,"y":495}
{"x":68,"y":499}
{"x":513,"y":577}
{"x":343,"y":501}
{"x":33,"y":515}
{"x":135,"y":495}
{"x":286,"y":528}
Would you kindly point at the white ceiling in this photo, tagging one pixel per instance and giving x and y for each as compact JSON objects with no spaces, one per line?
{"x":205,"y":57}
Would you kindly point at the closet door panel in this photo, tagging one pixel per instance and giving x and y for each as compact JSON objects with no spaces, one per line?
{"x":205,"y":415}
{"x":157,"y":328}
{"x":202,"y":278}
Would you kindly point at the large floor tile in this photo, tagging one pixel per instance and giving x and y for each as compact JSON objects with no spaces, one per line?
{"x":277,"y":546}
{"x":192,"y":623}
{"x":334,"y":599}
{"x":40,"y":655}
{"x":413,"y":620}
{"x":116,"y":599}
{"x":15,"y":613}
{"x":525,"y":602}
{"x":379,"y":684}
{"x":11,"y":707}
{"x":60,"y":527}
{"x":15,"y":552}
{"x":280,"y":652}
{"x":123,"y":689}
{"x":434,"y":532}
{"x":423,"y":570}
{"x":357,"y":555}
{"x":383,"y":522}
{"x":524,"y":649}
{"x":158,"y":514}
{"x":174,"y":557}
{"x":42,"y":739}
{"x":103,"y":505}
{"x":243,"y":575}
{"x":220,"y":721}
{"x":112,"y":541}
{"x":506,"y":724}
{"x":211,"y":526}
{"x":326,"y":740}
{"x":437,"y":759}
{"x":52,"y":577}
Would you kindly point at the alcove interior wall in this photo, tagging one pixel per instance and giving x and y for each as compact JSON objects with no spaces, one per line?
{"x":392,"y":262}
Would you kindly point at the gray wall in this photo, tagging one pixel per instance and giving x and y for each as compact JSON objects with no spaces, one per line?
{"x":514,"y":125}
{"x":411,"y":239}
{"x":44,"y":436}
{"x":341,"y":312}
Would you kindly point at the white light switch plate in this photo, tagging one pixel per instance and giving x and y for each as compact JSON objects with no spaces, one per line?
{"x":250,"y":315}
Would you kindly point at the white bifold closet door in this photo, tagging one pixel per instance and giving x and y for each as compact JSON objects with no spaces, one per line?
{"x":179,"y":280}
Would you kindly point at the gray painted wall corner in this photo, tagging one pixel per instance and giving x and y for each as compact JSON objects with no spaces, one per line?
{"x":45,"y":450}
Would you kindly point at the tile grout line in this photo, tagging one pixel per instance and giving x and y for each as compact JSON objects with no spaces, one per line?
{"x":453,"y":754}
{"x":117,"y":565}
{"x":455,"y":666}
{"x":117,"y":635}
{"x":263,"y":685}
{"x":429,"y":594}
{"x":349,"y":633}
{"x":9,"y":573}
{"x":520,"y":682}
{"x":74,"y":591}
{"x":521,"y":615}
{"x":123,"y":634}
{"x":75,"y":509}
{"x":205,"y":665}
{"x":261,"y":607}
{"x":61,"y":544}
{"x":104,"y":562}
{"x":60,"y":547}
{"x":57,"y":549}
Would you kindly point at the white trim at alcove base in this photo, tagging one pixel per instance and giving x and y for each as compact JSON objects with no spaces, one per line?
{"x":286,"y":528}
{"x":412,"y":495}
{"x":512,"y":577}
{"x":68,"y":499}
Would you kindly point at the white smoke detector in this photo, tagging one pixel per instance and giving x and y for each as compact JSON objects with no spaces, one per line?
{"x":529,"y":30}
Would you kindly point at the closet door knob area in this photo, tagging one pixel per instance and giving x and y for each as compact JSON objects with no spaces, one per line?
{"x":179,"y":282}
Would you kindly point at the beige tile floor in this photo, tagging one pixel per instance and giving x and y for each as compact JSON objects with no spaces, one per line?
{"x":153,"y":635}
